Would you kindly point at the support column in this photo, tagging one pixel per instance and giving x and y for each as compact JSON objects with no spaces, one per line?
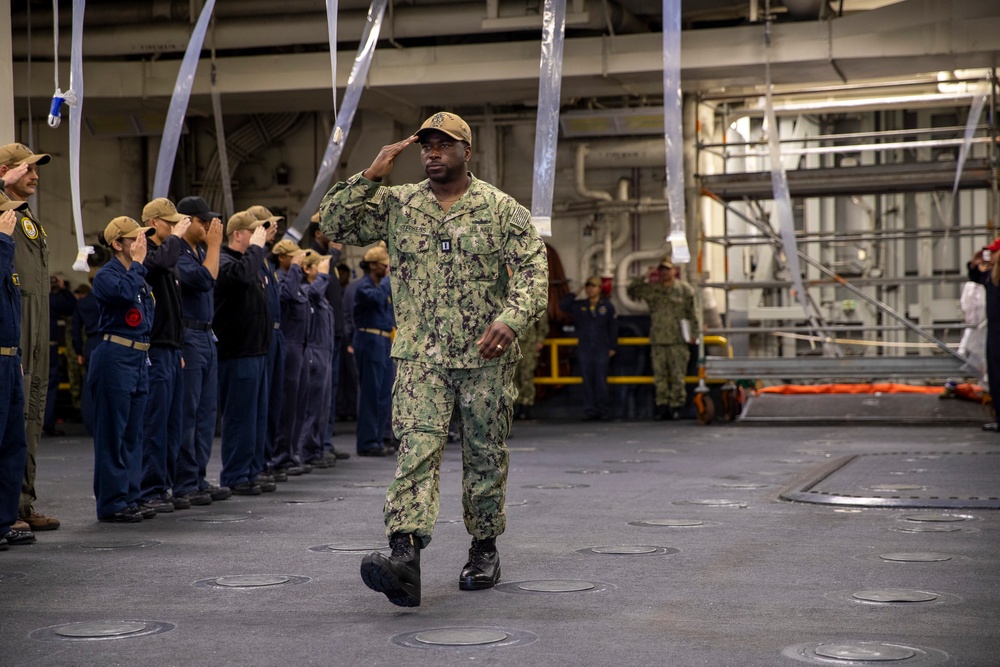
{"x":7,"y":120}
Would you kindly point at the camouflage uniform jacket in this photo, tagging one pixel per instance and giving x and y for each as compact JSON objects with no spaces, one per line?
{"x":449,"y":269}
{"x":667,"y":307}
{"x":534,"y":334}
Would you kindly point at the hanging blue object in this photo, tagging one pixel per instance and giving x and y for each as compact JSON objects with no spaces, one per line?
{"x":55,"y":109}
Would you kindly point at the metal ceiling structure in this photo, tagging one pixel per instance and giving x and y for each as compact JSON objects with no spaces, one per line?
{"x":272,"y":56}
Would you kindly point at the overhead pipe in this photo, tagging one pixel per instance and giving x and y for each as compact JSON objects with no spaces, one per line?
{"x":581,"y":176}
{"x":621,"y":279}
{"x":622,"y":231}
{"x":580,"y":181}
{"x":616,"y":230}
{"x":148,"y":34}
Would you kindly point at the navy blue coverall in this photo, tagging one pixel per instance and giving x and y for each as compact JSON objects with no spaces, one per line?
{"x":165,"y":407}
{"x":13,"y":444}
{"x":62,"y":304}
{"x":373,"y":321}
{"x":335,"y":297}
{"x":201,"y":379}
{"x":83,"y":329}
{"x":295,"y":312}
{"x":315,"y":384}
{"x":119,"y":384}
{"x":275,"y":363}
{"x":597,"y":331}
{"x":243,"y":326}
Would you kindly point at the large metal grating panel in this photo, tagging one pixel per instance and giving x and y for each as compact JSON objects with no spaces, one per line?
{"x":904,"y":479}
{"x":893,"y":408}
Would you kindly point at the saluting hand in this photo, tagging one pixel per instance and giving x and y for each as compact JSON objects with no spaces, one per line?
{"x":298,"y":257}
{"x":258,"y":237}
{"x":14,"y":174}
{"x":181,"y":227}
{"x":214,"y":234}
{"x":382,"y":166}
{"x":324,"y":265}
{"x":138,"y":251}
{"x":7,"y":222}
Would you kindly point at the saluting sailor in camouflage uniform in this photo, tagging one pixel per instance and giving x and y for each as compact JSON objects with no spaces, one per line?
{"x":18,"y":168}
{"x":530,"y":343}
{"x":670,"y":301}
{"x":450,"y":240}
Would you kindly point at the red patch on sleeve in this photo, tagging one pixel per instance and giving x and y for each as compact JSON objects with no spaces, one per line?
{"x":133,"y":317}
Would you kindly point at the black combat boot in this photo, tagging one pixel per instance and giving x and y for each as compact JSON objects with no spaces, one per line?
{"x":398,"y":576}
{"x":483,"y":569}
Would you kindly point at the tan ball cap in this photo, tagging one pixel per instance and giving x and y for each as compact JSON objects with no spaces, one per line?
{"x":285,"y":247}
{"x":245,"y":220}
{"x":123,"y":227}
{"x":13,"y":155}
{"x":376,"y":254}
{"x":449,"y":123}
{"x":163,"y":209}
{"x":9,"y":205}
{"x":264,"y":213}
{"x":310,"y":257}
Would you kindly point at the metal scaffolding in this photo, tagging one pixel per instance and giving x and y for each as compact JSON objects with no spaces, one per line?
{"x":886,"y":183}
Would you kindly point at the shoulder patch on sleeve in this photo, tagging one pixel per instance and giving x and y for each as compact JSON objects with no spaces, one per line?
{"x":520,"y":220}
{"x":379,"y":195}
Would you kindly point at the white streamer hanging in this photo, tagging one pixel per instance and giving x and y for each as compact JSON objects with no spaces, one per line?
{"x":352,"y":95}
{"x":975,"y":111}
{"x":75,"y":121}
{"x":547,"y":124}
{"x":179,"y":103}
{"x":331,"y":29}
{"x":673,"y":135}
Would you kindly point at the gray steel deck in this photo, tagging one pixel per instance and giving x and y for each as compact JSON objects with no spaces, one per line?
{"x":757,"y":581}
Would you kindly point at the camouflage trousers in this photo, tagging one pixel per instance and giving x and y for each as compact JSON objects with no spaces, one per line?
{"x":423,"y":397}
{"x":526,"y":375}
{"x":670,"y":364}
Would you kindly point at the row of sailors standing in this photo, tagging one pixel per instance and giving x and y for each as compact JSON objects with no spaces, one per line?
{"x":189,"y":326}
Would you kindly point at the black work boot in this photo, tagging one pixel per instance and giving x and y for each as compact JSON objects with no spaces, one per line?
{"x":398,"y":576}
{"x":483,"y":569}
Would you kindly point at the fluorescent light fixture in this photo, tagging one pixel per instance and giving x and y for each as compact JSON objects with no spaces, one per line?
{"x":957,"y":98}
{"x":612,"y":122}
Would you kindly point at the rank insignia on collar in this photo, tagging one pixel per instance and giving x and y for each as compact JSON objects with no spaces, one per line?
{"x":445,"y":246}
{"x":29,"y":228}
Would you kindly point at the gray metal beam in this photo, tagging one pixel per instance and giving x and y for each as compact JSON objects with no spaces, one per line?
{"x":867,"y":180}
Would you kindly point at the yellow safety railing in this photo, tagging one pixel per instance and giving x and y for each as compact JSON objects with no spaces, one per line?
{"x":555,"y":343}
